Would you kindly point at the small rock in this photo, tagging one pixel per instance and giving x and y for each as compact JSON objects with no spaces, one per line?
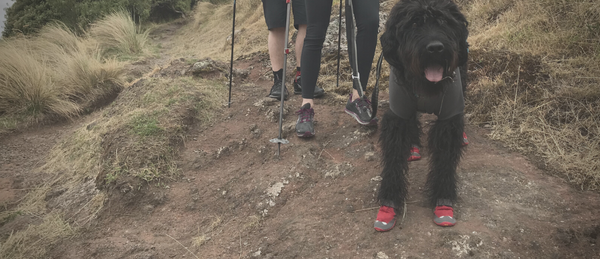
{"x":274,"y":190}
{"x":370,"y":156}
{"x":376,"y":179}
{"x":222,"y":151}
{"x":382,"y":255}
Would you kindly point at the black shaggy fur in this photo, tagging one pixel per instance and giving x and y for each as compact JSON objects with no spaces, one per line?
{"x":412,"y":25}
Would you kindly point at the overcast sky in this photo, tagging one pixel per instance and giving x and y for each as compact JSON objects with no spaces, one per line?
{"x":3,"y":4}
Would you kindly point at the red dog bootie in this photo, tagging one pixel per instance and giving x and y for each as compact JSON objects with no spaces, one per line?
{"x":415,"y":154}
{"x":465,"y":140}
{"x":386,"y":219}
{"x":444,"y":214}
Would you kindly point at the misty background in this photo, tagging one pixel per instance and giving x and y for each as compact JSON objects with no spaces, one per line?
{"x":3,"y":5}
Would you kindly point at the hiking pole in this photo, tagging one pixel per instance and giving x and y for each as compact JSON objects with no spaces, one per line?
{"x":352,"y":41}
{"x":286,"y":51}
{"x":231,"y":63}
{"x":337,"y":83}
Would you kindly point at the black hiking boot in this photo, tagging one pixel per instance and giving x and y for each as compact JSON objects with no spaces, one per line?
{"x":276,"y":90}
{"x":304,"y":124}
{"x":298,"y":88}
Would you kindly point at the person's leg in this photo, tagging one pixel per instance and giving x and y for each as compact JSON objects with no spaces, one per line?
{"x":300,"y":21}
{"x":298,"y":79}
{"x":276,"y":40}
{"x":366,"y":13}
{"x":275,"y":17}
{"x":318,"y":13}
{"x":300,"y":42}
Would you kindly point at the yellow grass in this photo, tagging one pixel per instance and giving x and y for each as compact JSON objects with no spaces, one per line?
{"x":55,"y":73}
{"x":26,"y":84}
{"x":36,"y":239}
{"x":209,"y":32}
{"x":546,"y":104}
{"x":118,"y":31}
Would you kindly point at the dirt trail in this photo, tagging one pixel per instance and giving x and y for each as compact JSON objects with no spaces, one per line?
{"x":237,"y":199}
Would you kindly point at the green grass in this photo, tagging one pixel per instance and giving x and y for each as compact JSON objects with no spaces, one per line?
{"x":145,"y":126}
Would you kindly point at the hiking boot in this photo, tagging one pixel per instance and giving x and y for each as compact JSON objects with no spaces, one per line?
{"x":386,"y":219}
{"x":415,"y":154}
{"x":360,"y":110}
{"x":465,"y":140}
{"x":276,"y":90}
{"x":298,"y":88}
{"x":304,"y":124}
{"x":444,"y":213}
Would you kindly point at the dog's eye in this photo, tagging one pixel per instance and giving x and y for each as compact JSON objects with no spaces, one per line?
{"x":414,"y":24}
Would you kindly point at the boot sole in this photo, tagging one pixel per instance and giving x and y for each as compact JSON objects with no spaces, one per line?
{"x":278,"y":97}
{"x":372,"y":122}
{"x":305,"y":134}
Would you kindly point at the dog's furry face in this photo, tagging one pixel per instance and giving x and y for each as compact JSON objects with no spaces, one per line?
{"x":425,"y":40}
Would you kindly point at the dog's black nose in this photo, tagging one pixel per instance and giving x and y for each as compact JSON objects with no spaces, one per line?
{"x":435,"y":47}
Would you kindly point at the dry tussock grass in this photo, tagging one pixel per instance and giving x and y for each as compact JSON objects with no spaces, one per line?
{"x":534,"y":79}
{"x":26,"y":85}
{"x":117,"y":31}
{"x":54,"y":74}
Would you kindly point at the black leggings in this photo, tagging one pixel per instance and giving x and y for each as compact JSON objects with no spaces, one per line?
{"x":318,"y":14}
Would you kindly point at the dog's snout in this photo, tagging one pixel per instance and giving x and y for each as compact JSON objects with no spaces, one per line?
{"x":435,"y":47}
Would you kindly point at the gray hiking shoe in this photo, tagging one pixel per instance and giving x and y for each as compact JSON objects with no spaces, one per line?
{"x":360,"y":110}
{"x":304,"y":124}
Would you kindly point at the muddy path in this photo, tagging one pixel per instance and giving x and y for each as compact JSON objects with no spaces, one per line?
{"x":235,"y":198}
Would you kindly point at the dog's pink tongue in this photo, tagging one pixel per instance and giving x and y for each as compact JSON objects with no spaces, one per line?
{"x":434,"y":73}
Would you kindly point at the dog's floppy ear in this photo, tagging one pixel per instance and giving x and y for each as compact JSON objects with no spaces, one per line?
{"x":389,"y":39}
{"x":463,"y":34}
{"x":389,"y":46}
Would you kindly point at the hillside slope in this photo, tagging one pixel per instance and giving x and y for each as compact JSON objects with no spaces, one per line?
{"x":231,"y":196}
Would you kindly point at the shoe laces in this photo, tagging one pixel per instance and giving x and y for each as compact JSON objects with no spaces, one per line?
{"x":305,"y":115}
{"x":363,"y":102}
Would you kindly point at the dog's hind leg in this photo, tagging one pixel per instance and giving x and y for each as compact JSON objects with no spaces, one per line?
{"x":445,"y":144}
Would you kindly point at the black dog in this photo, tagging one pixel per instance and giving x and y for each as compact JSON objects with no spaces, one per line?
{"x":425,"y":43}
